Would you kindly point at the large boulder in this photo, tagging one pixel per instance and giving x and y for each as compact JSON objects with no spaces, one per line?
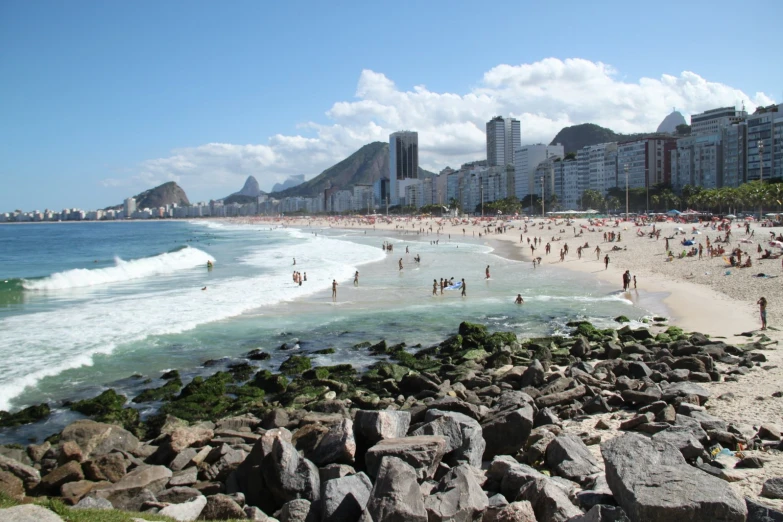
{"x":458,"y":497}
{"x":550,"y":502}
{"x":29,"y":513}
{"x":652,"y":482}
{"x":568,"y":456}
{"x":187,"y":511}
{"x":287,"y":475}
{"x":298,"y":510}
{"x":396,"y":495}
{"x":97,"y":438}
{"x":603,"y":513}
{"x":221,"y":507}
{"x":374,"y":426}
{"x":507,"y":433}
{"x":111,"y":467}
{"x":51,"y":482}
{"x":336,"y":446}
{"x":136,"y":487}
{"x":423,"y":453}
{"x":11,"y":486}
{"x":345,"y":498}
{"x":521,"y":511}
{"x":464,"y":437}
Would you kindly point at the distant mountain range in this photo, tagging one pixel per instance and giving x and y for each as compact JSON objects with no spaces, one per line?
{"x":365,"y":166}
{"x":291,"y":182}
{"x":167,"y":194}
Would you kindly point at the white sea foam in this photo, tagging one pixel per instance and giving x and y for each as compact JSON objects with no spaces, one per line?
{"x":71,"y":336}
{"x":167,"y":263}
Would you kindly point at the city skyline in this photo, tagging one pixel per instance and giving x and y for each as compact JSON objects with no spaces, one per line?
{"x":103,"y":103}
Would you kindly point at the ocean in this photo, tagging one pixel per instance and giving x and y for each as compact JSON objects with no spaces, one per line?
{"x":90,"y":306}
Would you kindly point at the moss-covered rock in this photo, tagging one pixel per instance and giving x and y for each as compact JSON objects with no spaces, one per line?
{"x":25,"y":416}
{"x":316,"y":373}
{"x":163,"y":393}
{"x":325,"y":351}
{"x":391,"y":371}
{"x":270,"y":382}
{"x":108,"y":407}
{"x":379,"y":348}
{"x":258,"y":355}
{"x":498,"y":340}
{"x":202,"y":399}
{"x":476,"y":354}
{"x":451,"y":345}
{"x":473,"y":335}
{"x":416,"y":363}
{"x":241,"y":371}
{"x":587,"y":329}
{"x":363,"y":344}
{"x":622,"y":319}
{"x":295,"y":365}
{"x":659,"y":319}
{"x":540,"y":352}
{"x":675,"y":332}
{"x":663,"y":338}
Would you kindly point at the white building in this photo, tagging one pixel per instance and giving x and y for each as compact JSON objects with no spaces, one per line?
{"x":526,"y":159}
{"x":699,"y":162}
{"x":599,"y":163}
{"x":713,"y":120}
{"x":765,"y":127}
{"x":130,"y":207}
{"x":503,"y":138}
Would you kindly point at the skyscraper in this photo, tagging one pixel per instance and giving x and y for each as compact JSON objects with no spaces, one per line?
{"x":503,"y":138}
{"x":403,"y":160}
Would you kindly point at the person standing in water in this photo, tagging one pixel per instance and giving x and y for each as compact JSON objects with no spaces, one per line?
{"x":356,"y":279}
{"x":463,"y":289}
{"x":434,"y":287}
{"x":606,"y":262}
{"x":400,"y":262}
{"x":487,"y":272}
{"x":334,"y":289}
{"x":519,"y":299}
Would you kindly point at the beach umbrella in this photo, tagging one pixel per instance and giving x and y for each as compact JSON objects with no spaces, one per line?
{"x":674,"y":212}
{"x":731,"y":216}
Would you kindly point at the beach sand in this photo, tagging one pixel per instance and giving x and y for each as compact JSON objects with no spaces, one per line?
{"x":699,"y":295}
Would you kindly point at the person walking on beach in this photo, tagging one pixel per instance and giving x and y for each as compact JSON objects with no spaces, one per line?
{"x":334,"y":289}
{"x":606,"y":262}
{"x":400,"y":262}
{"x":463,"y":289}
{"x":763,"y":312}
{"x":597,"y":252}
{"x":634,"y":282}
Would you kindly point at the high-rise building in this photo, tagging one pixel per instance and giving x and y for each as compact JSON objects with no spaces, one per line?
{"x":503,"y":138}
{"x":130,"y":207}
{"x":697,"y":161}
{"x":648,"y":161}
{"x":734,"y":140}
{"x":403,"y":160}
{"x":526,"y":159}
{"x":765,"y":126}
{"x":711,"y":121}
{"x":599,"y":162}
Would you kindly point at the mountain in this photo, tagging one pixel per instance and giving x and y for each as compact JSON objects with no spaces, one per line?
{"x":575,"y":137}
{"x":250,"y":191}
{"x":291,"y":182}
{"x":670,"y":122}
{"x":167,"y":194}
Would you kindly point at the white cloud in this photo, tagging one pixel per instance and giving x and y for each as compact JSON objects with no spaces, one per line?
{"x":546,"y":96}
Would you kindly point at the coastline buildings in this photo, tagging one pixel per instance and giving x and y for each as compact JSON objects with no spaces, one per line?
{"x":503,"y":138}
{"x":526,"y":159}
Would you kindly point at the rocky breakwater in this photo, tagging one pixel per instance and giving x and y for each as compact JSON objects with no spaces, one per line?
{"x":473,"y":429}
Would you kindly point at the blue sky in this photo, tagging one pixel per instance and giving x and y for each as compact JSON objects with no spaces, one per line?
{"x":100,"y":100}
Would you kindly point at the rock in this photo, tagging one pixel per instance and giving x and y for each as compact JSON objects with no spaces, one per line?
{"x":29,"y":513}
{"x":521,"y":511}
{"x":568,"y":456}
{"x":345,"y":498}
{"x":11,"y":486}
{"x":458,"y":497}
{"x":773,"y":488}
{"x":111,"y":467}
{"x":37,"y":451}
{"x":186,"y":437}
{"x":602,"y":513}
{"x":297,"y":510}
{"x":93,"y":503}
{"x":221,"y":507}
{"x":563,"y":397}
{"x":549,"y":501}
{"x":683,"y":439}
{"x":29,"y":476}
{"x":507,"y":433}
{"x":177,"y":495}
{"x":183,"y":459}
{"x":229,"y":460}
{"x":533,"y":376}
{"x":636,"y":421}
{"x":69,"y":451}
{"x":187,"y":511}
{"x":396,"y":495}
{"x":465,"y":441}
{"x":709,"y":422}
{"x":186,"y":477}
{"x":336,"y":446}
{"x":760,"y":513}
{"x":651,"y":481}
{"x":374,"y":426}
{"x":73,"y":492}
{"x":769,"y":432}
{"x":684,"y":389}
{"x":287,"y":475}
{"x":127,"y":493}
{"x":97,"y":438}
{"x":423,"y":453}
{"x":52,"y":481}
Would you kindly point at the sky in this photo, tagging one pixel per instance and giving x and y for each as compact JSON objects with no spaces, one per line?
{"x":102,"y":100}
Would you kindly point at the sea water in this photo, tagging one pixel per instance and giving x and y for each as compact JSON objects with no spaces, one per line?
{"x":88,"y":306}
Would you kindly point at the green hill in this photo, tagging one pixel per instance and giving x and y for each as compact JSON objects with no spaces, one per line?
{"x":160,"y":196}
{"x":577,"y":136}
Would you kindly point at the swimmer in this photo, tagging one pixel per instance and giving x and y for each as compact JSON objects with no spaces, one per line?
{"x":519,"y":299}
{"x":204,"y":288}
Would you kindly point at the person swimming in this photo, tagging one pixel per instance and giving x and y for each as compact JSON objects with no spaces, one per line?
{"x":519,"y":299}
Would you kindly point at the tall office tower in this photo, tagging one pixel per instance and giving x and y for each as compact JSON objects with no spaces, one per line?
{"x":711,"y":121}
{"x":526,"y":160}
{"x":403,"y":160}
{"x":503,"y":138}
